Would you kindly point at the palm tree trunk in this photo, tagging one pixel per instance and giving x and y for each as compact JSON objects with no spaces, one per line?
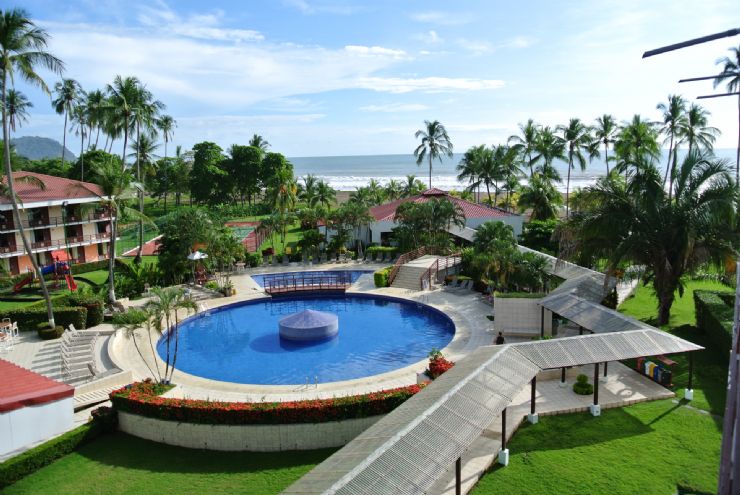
{"x":112,"y":256}
{"x":154,"y":355}
{"x":567,"y":187}
{"x":488,"y":192}
{"x":125,"y":142}
{"x":137,"y":259}
{"x":82,"y":156}
{"x":141,"y":355}
{"x":531,"y":167}
{"x":64,"y":136}
{"x":166,"y":166}
{"x":668,"y":165}
{"x":177,"y":342}
{"x":167,"y":357}
{"x":737,"y":155}
{"x":430,"y":170}
{"x":673,"y":171}
{"x":606,"y":157}
{"x":16,"y":212}
{"x":97,"y":137}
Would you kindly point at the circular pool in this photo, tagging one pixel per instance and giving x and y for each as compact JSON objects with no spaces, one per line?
{"x":240,"y":343}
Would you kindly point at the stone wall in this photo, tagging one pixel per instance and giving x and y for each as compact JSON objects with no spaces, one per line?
{"x":254,"y":438}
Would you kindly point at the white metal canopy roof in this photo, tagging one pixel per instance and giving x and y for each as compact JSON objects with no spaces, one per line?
{"x":409,"y":449}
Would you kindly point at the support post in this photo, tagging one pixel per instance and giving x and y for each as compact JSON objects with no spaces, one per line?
{"x":603,"y":378}
{"x":503,"y":455}
{"x":542,"y":321}
{"x":689,"y":392}
{"x":580,"y":330}
{"x":562,"y":377}
{"x":533,"y":417}
{"x":595,"y":407}
{"x":458,"y":476}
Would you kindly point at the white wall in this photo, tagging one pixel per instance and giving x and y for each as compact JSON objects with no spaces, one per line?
{"x":520,"y":316}
{"x":33,"y":424}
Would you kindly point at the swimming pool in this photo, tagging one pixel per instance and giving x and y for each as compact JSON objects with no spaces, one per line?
{"x":352,"y":275}
{"x":240,"y":343}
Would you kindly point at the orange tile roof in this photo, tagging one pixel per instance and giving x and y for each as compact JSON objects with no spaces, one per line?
{"x":57,"y":189}
{"x":20,"y":387}
{"x":387,"y":211}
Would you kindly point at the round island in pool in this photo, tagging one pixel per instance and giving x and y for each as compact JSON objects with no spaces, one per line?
{"x":309,"y":326}
{"x":240,"y":343}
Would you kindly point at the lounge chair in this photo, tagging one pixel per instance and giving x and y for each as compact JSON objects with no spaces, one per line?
{"x":454,"y":284}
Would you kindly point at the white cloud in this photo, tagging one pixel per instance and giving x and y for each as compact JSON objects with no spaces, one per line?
{"x":375,"y":50}
{"x":442,"y":18}
{"x":395,"y":107}
{"x":475,"y":47}
{"x":427,"y":84}
{"x":310,"y":8}
{"x":203,"y":26}
{"x":430,"y":37}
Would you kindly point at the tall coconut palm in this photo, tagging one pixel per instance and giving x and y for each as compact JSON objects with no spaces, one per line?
{"x":259,"y":142}
{"x":325,"y":194}
{"x":637,"y":143}
{"x":508,"y":166}
{"x":166,"y":125}
{"x":526,"y":144}
{"x":17,"y":106}
{"x":697,"y":132}
{"x":377,"y":192}
{"x":165,"y":306}
{"x":307,"y":190}
{"x":549,"y":146}
{"x":79,"y":125}
{"x":674,"y":119}
{"x":730,"y":75}
{"x":68,"y":93}
{"x":577,"y":138}
{"x":22,"y":52}
{"x":434,"y":143}
{"x":541,"y":196}
{"x":123,"y":98}
{"x":636,"y":221}
{"x":95,"y":103}
{"x":393,"y":190}
{"x":605,"y":132}
{"x":469,"y":168}
{"x":412,"y":186}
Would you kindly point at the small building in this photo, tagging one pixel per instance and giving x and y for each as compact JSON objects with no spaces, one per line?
{"x":379,"y":231}
{"x":55,"y":217}
{"x":33,"y":408}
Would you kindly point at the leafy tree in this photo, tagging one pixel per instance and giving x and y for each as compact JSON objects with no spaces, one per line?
{"x":491,"y":236}
{"x":91,"y":160}
{"x":207,"y":171}
{"x":549,"y":146}
{"x":538,"y":235}
{"x":435,"y":142}
{"x":697,"y":131}
{"x":427,"y":223}
{"x":181,"y":231}
{"x":22,"y":52}
{"x":730,"y":75}
{"x":272,"y":163}
{"x":68,"y":94}
{"x":605,"y":132}
{"x":541,"y":196}
{"x":526,"y":144}
{"x":259,"y":142}
{"x":577,"y":139}
{"x":638,"y":221}
{"x":674,"y":121}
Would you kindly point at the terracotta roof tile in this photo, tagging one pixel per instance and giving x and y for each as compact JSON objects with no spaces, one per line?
{"x":20,"y":387}
{"x":387,"y":211}
{"x":57,"y":189}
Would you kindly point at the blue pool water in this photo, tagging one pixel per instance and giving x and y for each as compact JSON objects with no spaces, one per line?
{"x":352,"y":274}
{"x":240,"y":343}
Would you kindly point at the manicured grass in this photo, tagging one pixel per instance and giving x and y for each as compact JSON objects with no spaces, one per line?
{"x":710,"y":365}
{"x":97,"y":277}
{"x":652,"y":447}
{"x":119,"y":463}
{"x":144,"y":259}
{"x":293,"y":235}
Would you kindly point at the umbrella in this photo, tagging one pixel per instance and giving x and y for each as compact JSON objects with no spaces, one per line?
{"x":196,"y":256}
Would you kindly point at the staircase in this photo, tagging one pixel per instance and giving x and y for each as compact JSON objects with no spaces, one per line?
{"x":408,"y":277}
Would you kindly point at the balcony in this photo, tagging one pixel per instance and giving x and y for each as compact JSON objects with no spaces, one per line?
{"x":41,"y":246}
{"x":8,"y":225}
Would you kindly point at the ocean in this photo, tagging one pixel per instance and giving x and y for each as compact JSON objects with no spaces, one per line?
{"x":347,"y":173}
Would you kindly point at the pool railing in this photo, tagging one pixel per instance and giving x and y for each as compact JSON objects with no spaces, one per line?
{"x":306,"y":282}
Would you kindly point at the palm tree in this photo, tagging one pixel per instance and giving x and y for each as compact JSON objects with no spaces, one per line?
{"x":165,"y":306}
{"x":307,"y":190}
{"x":376,"y":191}
{"x":549,"y":146}
{"x":325,"y":194}
{"x":697,"y":131}
{"x":577,"y":138}
{"x":491,"y":235}
{"x":22,"y":51}
{"x":259,"y":142}
{"x":731,"y":76}
{"x":637,"y":221}
{"x":95,"y":104}
{"x":68,"y":94}
{"x":541,"y":196}
{"x":605,"y":132}
{"x":674,"y":119}
{"x":166,"y":125}
{"x":526,"y":144}
{"x":637,"y":143}
{"x":469,"y":168}
{"x":123,"y":98}
{"x":144,"y":148}
{"x":79,"y":125}
{"x":17,"y":106}
{"x":412,"y":186}
{"x":506,"y":166}
{"x":434,"y":143}
{"x":130,"y":322}
{"x":393,"y":190}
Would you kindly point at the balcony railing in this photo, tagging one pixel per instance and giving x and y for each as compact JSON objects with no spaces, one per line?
{"x":36,"y":247}
{"x":7,"y":224}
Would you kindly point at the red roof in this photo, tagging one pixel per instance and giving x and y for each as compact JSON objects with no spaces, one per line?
{"x":57,"y":189}
{"x":20,"y":387}
{"x":151,"y":248}
{"x":387,"y":211}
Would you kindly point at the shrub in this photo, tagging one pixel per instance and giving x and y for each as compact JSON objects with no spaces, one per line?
{"x":381,"y":276}
{"x":143,"y":399}
{"x":437,"y":364}
{"x":582,"y":387}
{"x":29,"y":318}
{"x":34,"y":459}
{"x":538,"y":235}
{"x":714,"y":316}
{"x":253,"y":259}
{"x":86,"y":299}
{"x":212,"y":285}
{"x":47,"y":333}
{"x":132,"y":316}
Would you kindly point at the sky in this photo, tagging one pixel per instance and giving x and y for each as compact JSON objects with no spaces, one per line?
{"x":332,"y":77}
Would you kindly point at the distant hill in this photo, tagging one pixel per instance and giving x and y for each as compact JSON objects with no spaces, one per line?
{"x":36,"y":148}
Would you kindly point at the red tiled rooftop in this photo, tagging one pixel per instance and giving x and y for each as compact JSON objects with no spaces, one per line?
{"x":472,"y":210}
{"x":20,"y":387}
{"x":151,"y":248}
{"x":57,"y":189}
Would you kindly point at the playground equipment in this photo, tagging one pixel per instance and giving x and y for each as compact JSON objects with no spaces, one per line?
{"x":58,"y":268}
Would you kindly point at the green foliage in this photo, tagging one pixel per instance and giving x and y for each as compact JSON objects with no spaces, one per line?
{"x":519,"y":295}
{"x":181,"y":231}
{"x":132,"y":316}
{"x":244,"y":169}
{"x":91,"y":266}
{"x":381,"y":276}
{"x":29,"y":318}
{"x":34,"y":459}
{"x":582,"y":387}
{"x":715,"y":317}
{"x":91,"y":160}
{"x":538,"y":235}
{"x":426,"y":223}
{"x":47,"y":333}
{"x":207,"y":172}
{"x":131,"y":279}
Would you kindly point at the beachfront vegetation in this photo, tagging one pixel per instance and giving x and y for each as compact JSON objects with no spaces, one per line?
{"x":435,"y":143}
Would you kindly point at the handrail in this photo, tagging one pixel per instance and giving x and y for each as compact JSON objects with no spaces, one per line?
{"x":434,"y":268}
{"x":7,"y":224}
{"x":306,"y":282}
{"x":405,"y":258}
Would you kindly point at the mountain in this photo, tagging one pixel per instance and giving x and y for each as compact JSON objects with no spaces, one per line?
{"x":36,"y":148}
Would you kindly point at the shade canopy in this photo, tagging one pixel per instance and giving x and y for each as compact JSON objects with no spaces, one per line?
{"x":197,"y":255}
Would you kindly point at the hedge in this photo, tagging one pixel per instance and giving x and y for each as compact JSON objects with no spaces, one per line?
{"x":519,"y":295}
{"x":29,"y":318}
{"x":381,"y":276}
{"x":42,"y":455}
{"x":714,"y":316}
{"x":143,"y":398}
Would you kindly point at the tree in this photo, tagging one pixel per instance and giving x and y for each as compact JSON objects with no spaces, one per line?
{"x":123,"y":97}
{"x":541,"y":196}
{"x":491,"y":236}
{"x":577,"y":139}
{"x":22,"y":51}
{"x":434,"y":143}
{"x":605,"y":132}
{"x":79,"y":124}
{"x":526,"y":144}
{"x":179,"y":179}
{"x":259,"y":142}
{"x":549,"y":146}
{"x":96,"y":106}
{"x":412,"y":186}
{"x":674,"y":120}
{"x":427,"y":223}
{"x":325,"y":194}
{"x":17,"y":105}
{"x":638,"y":221}
{"x":68,"y":94}
{"x":143,"y":150}
{"x":697,"y":131}
{"x":636,"y":144}
{"x":244,"y":168}
{"x":376,"y":191}
{"x":506,"y":168}
{"x":164,"y":307}
{"x":393,"y":190}
{"x":470,"y":167}
{"x":91,"y":160}
{"x":182,"y":230}
{"x":166,"y":125}
{"x":207,"y":171}
{"x":307,"y":190}
{"x":730,"y":75}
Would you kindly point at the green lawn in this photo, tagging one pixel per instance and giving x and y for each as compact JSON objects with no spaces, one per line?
{"x":119,"y":463}
{"x":652,"y":447}
{"x":97,"y":277}
{"x":293,"y":235}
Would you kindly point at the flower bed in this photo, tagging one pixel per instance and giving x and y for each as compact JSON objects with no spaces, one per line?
{"x":144,"y":399}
